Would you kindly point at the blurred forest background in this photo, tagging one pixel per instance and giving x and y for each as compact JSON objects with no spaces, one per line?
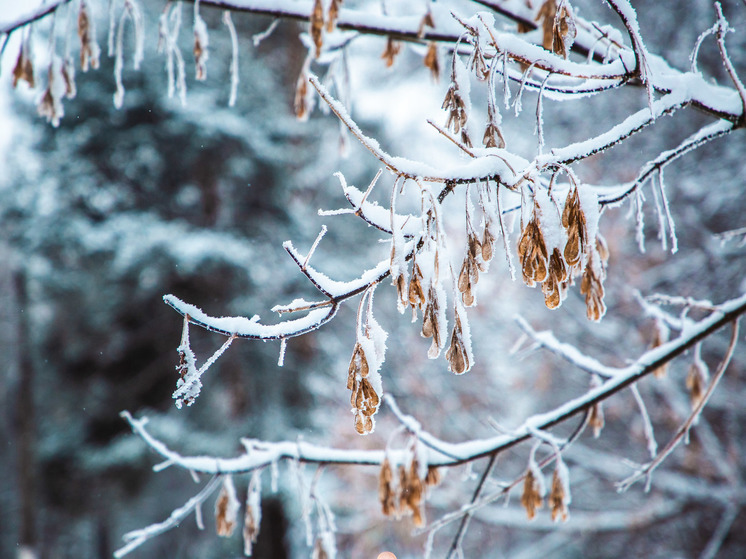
{"x":101,"y":217}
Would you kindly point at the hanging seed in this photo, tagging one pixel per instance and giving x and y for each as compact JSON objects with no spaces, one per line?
{"x":385,"y":490}
{"x":317,"y":25}
{"x":557,"y":498}
{"x":531,"y":499}
{"x":389,"y":54}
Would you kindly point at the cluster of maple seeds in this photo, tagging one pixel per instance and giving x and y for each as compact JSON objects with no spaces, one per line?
{"x":478,"y":254}
{"x":556,"y":271}
{"x":532,"y":498}
{"x":558,"y":26}
{"x":406,"y":496}
{"x":364,"y":399}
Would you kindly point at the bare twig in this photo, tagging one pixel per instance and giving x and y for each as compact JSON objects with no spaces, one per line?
{"x":461,"y":532}
{"x":138,"y":537}
{"x":722,"y":29}
{"x":647,"y":470}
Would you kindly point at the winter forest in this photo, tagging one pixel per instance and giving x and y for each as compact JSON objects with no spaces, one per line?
{"x":325,"y":278}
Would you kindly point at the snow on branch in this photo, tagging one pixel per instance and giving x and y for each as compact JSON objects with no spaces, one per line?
{"x":38,"y":13}
{"x":452,"y":454}
{"x":242,"y":327}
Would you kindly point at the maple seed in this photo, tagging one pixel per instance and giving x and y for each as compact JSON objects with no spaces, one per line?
{"x":332,"y":15}
{"x":317,"y":26}
{"x":659,"y":338}
{"x":433,"y":476}
{"x":573,"y":219}
{"x":392,"y":49}
{"x":431,"y":60}
{"x":458,"y":359}
{"x":696,"y":381}
{"x":89,"y":50}
{"x":415,"y":294}
{"x":225,"y":514}
{"x":493,"y":137}
{"x":532,"y":252}
{"x":556,"y":276}
{"x":531,"y":499}
{"x":302,"y":109}
{"x":24,"y":69}
{"x":592,"y":287}
{"x":426,"y":21}
{"x":454,"y":104}
{"x":411,"y":491}
{"x":385,"y":490}
{"x":596,"y":419}
{"x":557,"y":501}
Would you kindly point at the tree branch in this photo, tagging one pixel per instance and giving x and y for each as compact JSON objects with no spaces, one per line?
{"x":37,"y":14}
{"x":265,"y":453}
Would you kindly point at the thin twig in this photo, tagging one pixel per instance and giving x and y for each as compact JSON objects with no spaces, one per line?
{"x":461,"y":532}
{"x":722,"y":29}
{"x":647,"y":470}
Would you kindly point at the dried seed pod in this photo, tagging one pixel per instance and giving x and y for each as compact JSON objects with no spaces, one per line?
{"x":385,"y":489}
{"x":596,"y":419}
{"x":358,"y":366}
{"x":488,"y":242}
{"x":416,"y":294}
{"x":563,"y":31}
{"x":430,"y":323}
{"x":558,"y":498}
{"x":556,"y":276}
{"x":603,"y":249}
{"x":696,"y":381}
{"x":454,"y":104}
{"x":317,"y":25}
{"x":201,"y":42}
{"x":24,"y":68}
{"x":532,"y":252}
{"x":573,"y":220}
{"x":50,"y":103}
{"x":426,"y":21}
{"x":320,"y":548}
{"x":89,"y":49}
{"x":410,"y":492}
{"x":467,"y":280}
{"x":253,"y":515}
{"x":660,"y":337}
{"x":457,"y":354}
{"x":433,"y":476}
{"x":392,"y":49}
{"x":363,"y":424}
{"x":546,"y":15}
{"x":332,"y":15}
{"x":68,"y":75}
{"x":226,"y":509}
{"x":531,"y":498}
{"x":431,"y":60}
{"x":592,"y":287}
{"x":301,"y":103}
{"x":493,"y":136}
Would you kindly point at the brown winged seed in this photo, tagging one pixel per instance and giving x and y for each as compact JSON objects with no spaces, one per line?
{"x":385,"y":490}
{"x":392,"y":49}
{"x":531,"y":499}
{"x":458,"y":358}
{"x":557,"y":502}
{"x":573,"y":219}
{"x":533,"y":253}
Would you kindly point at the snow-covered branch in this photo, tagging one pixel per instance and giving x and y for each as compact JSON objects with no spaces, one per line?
{"x":451,"y":454}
